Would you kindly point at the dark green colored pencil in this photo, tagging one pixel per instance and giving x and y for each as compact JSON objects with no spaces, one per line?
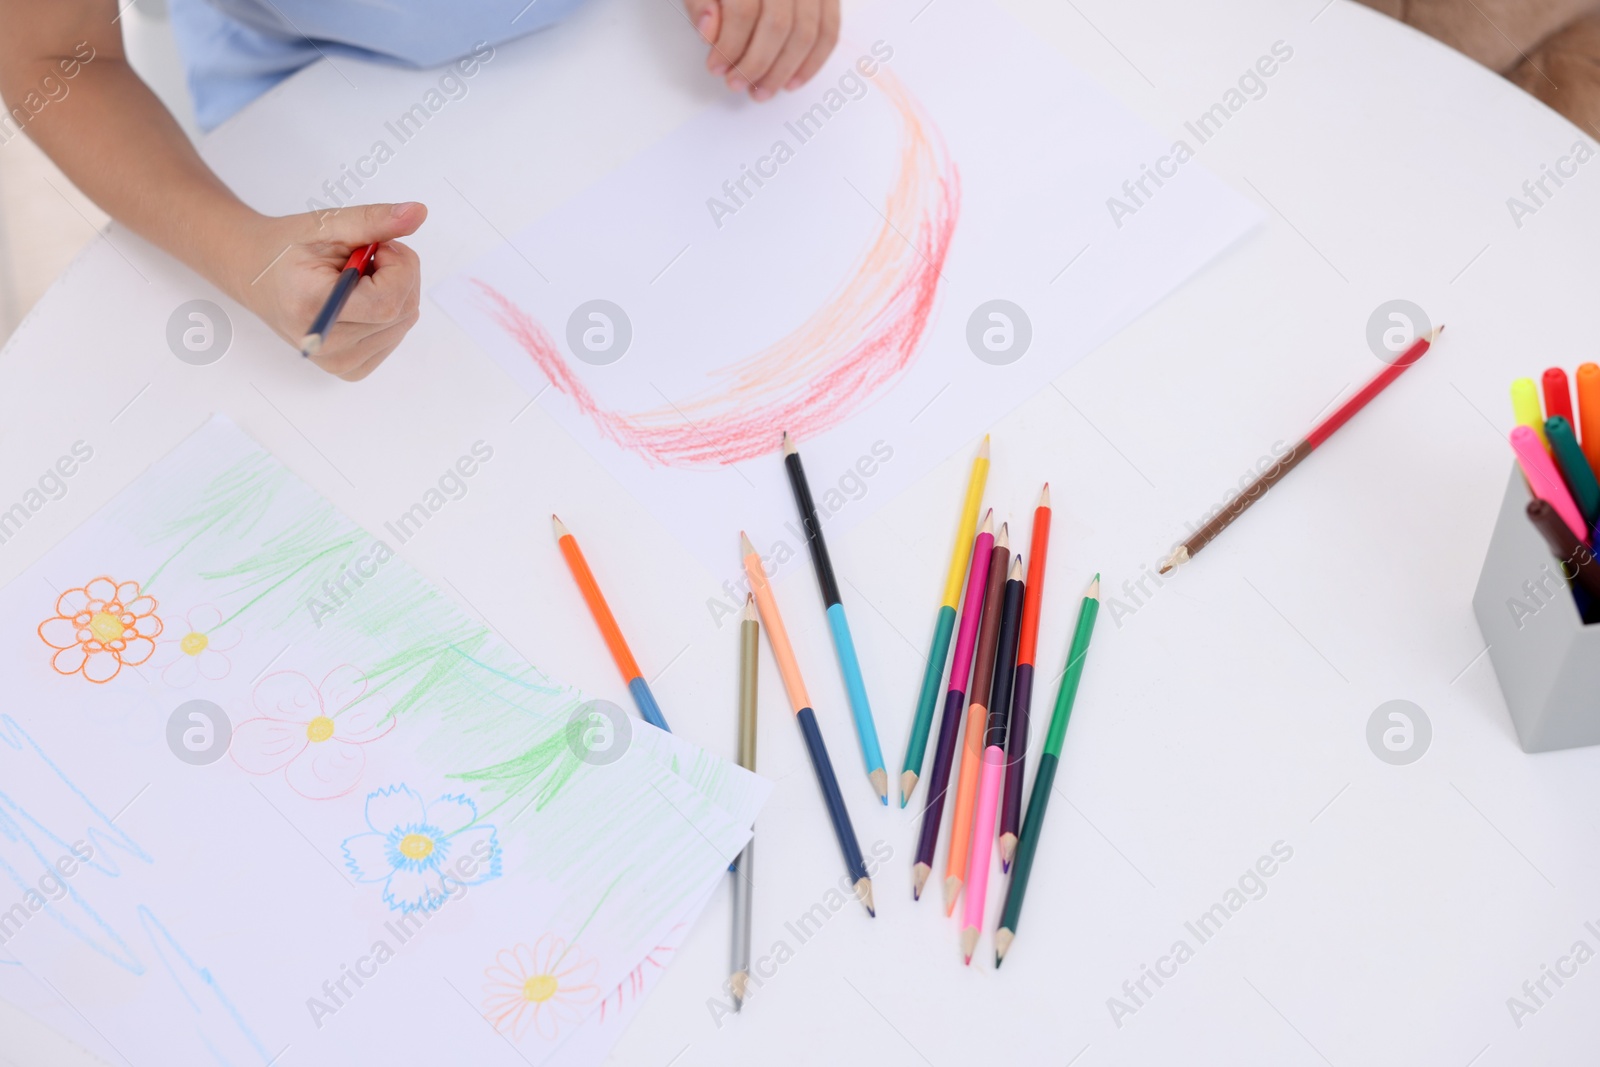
{"x":1039,"y":800}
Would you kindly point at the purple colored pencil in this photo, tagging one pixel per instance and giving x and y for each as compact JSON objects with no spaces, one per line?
{"x":954,"y":703}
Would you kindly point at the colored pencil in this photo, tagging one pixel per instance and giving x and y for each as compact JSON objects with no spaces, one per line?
{"x":1588,"y":387}
{"x":1574,"y":468}
{"x":1557,"y":396}
{"x":838,"y":625}
{"x":981,"y":854}
{"x":1545,"y":481}
{"x":944,"y":624}
{"x":1525,"y":407}
{"x":1308,"y":444}
{"x":1578,"y":564}
{"x":954,"y":705}
{"x":362,"y":261}
{"x":1022,"y":693}
{"x":977,"y":717}
{"x":794,"y":684}
{"x":609,"y":630}
{"x":1044,"y":779}
{"x":749,"y":661}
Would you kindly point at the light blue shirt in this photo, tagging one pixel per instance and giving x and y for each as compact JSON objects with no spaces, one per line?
{"x":235,"y":50}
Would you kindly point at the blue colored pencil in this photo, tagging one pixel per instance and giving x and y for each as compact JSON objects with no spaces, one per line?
{"x":838,"y":625}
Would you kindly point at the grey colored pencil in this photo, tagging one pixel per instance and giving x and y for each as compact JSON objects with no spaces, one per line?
{"x":749,"y":647}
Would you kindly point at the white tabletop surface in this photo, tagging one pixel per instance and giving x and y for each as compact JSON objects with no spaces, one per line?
{"x":1226,"y":714}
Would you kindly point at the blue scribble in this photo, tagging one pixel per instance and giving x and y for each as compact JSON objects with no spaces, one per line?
{"x":208,"y":1001}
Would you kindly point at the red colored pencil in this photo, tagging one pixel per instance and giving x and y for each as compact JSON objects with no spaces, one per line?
{"x":1022,"y":689}
{"x":1557,"y":397}
{"x":1307,"y":445}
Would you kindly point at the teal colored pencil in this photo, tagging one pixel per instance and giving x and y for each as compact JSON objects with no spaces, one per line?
{"x":944,"y":626}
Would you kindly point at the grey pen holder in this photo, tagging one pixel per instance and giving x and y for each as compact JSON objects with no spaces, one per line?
{"x":1546,"y":659}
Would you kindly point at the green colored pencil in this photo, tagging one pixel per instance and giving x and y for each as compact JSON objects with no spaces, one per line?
{"x":1039,"y":801}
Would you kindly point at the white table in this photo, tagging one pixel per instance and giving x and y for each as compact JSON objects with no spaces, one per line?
{"x":1226,"y":714}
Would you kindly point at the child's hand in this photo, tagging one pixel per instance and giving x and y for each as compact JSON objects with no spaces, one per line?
{"x":306,"y":253}
{"x":766,"y":45}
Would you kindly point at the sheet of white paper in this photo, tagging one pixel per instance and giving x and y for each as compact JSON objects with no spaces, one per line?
{"x":287,"y":864}
{"x":829,"y":264}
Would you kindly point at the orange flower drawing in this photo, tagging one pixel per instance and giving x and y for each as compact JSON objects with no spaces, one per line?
{"x":546,"y":987}
{"x":100,"y":627}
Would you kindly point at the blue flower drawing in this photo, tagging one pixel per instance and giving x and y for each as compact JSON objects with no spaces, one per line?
{"x":421,"y":852}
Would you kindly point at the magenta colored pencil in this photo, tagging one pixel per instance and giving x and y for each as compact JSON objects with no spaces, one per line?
{"x":981,"y":855}
{"x":954,"y":704}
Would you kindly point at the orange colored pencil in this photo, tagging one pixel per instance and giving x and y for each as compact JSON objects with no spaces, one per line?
{"x":966,"y":801}
{"x":609,"y":630}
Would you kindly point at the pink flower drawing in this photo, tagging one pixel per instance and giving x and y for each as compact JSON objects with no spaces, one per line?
{"x":196,"y":649}
{"x":314,"y":733}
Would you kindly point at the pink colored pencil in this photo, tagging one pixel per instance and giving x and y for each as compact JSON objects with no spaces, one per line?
{"x":1545,"y":480}
{"x":980,"y":854}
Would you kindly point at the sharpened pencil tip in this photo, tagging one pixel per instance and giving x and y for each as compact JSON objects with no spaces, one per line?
{"x":983,"y":449}
{"x":1044,"y":497}
{"x":988,"y":522}
{"x":1016,"y":569}
{"x":750,"y":607}
{"x":1003,"y":538}
{"x":969,"y":943}
{"x":559,"y":526}
{"x":864,"y":892}
{"x":745,"y":547}
{"x":1002,"y":944}
{"x":1094,"y":589}
{"x":880,"y":783}
{"x":908,"y":785}
{"x":310,"y":344}
{"x":1434,"y":336}
{"x":919,"y":878}
{"x":789,"y":448}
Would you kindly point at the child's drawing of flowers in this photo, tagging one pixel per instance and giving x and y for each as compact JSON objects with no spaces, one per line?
{"x":421,"y":852}
{"x":197,"y":649}
{"x":313,"y":732}
{"x":100,"y":627}
{"x":545,"y":987}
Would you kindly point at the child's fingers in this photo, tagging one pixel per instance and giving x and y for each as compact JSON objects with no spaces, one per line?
{"x":390,"y":292}
{"x":798,"y":45}
{"x":827,"y":37}
{"x":738,"y":18}
{"x":772,"y":30}
{"x":706,"y":16}
{"x":375,"y":348}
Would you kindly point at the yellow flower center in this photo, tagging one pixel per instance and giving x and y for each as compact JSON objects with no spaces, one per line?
{"x":416,"y":846}
{"x":194,"y":643}
{"x":318,"y":729}
{"x":106,"y":627}
{"x":539,"y":988}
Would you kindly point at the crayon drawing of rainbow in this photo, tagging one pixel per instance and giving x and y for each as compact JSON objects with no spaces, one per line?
{"x":839,"y":361}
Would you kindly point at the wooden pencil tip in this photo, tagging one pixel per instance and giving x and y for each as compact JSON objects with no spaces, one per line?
{"x":864,"y":892}
{"x":908,"y":785}
{"x":1003,"y":538}
{"x":738,"y":985}
{"x":1094,"y":589}
{"x":559,"y":526}
{"x":1002,"y":944}
{"x":1008,"y":851}
{"x":1434,"y":335}
{"x":919,"y":878}
{"x":1174,"y":561}
{"x":310,"y":344}
{"x":969,"y":942}
{"x":983,"y":449}
{"x":789,"y":448}
{"x":745,"y":547}
{"x":880,"y":783}
{"x":1044,"y":497}
{"x":988,"y":522}
{"x":952,"y":893}
{"x":1016,"y":569}
{"x":750,"y":607}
